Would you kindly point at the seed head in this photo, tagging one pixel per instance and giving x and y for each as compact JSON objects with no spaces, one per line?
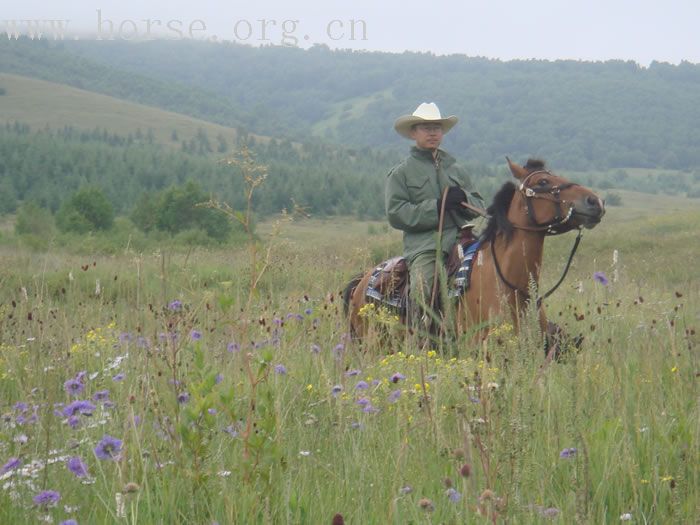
{"x":426,"y":505}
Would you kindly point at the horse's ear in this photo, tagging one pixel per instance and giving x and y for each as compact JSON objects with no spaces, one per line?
{"x":518,"y":171}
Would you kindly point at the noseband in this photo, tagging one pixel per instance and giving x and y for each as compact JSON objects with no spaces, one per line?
{"x":551,"y":194}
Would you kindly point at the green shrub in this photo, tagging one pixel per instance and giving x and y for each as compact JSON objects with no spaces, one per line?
{"x":176,"y":210}
{"x":32,"y":219}
{"x":86,"y":210}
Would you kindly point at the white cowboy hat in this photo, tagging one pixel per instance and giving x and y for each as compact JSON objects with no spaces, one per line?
{"x":426,"y":112}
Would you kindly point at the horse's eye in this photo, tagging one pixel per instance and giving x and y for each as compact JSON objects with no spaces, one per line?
{"x":543,"y":182}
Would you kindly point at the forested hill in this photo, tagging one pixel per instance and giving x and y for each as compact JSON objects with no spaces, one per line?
{"x":578,"y":115}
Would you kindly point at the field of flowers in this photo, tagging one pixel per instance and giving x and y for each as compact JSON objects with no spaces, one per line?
{"x":157,"y":388}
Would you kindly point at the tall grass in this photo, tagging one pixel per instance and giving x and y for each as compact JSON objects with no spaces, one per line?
{"x":272,"y":415}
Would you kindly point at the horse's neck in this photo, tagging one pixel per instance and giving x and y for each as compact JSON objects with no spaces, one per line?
{"x":520,"y":259}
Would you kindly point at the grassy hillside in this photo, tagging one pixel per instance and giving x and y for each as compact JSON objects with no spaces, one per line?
{"x":46,"y":61}
{"x":40,"y":103}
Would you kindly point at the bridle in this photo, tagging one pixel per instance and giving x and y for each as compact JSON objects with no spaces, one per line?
{"x":551,"y":227}
{"x":551,"y":194}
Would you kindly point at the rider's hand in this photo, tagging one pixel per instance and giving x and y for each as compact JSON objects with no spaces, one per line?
{"x":453,"y":199}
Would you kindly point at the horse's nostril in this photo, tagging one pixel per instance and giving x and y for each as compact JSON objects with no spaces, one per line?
{"x":593,"y":201}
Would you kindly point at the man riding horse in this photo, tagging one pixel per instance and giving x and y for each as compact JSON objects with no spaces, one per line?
{"x":427,"y":184}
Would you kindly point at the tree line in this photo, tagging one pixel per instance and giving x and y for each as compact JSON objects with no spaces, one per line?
{"x":85,"y":178}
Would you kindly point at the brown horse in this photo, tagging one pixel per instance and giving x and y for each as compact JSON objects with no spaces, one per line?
{"x":510,"y":255}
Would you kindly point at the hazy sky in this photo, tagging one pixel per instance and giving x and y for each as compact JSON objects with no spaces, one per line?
{"x":641,"y":30}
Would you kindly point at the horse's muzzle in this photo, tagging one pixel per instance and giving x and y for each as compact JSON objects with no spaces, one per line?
{"x":589,"y":210}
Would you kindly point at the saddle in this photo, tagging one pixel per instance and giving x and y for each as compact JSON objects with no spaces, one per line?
{"x":388,"y":284}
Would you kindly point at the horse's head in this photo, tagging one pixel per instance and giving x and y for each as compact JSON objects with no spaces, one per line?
{"x":553,"y":204}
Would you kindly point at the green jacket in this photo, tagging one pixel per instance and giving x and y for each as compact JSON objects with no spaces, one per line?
{"x":413,"y":188}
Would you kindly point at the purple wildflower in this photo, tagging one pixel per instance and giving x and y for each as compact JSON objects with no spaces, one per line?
{"x":218,"y":379}
{"x":281,"y":370}
{"x":11,"y":464}
{"x":69,"y":522}
{"x":337,"y":389}
{"x":453,"y":495}
{"x":361,"y":385}
{"x":73,"y":387}
{"x":108,"y":448}
{"x":339,"y":348}
{"x":80,"y":376}
{"x":119,"y":377}
{"x":231,"y":431}
{"x":77,"y":466}
{"x":316,"y":349}
{"x":102,"y":395}
{"x":233,"y":347}
{"x":141,"y":342}
{"x":600,"y":277}
{"x":369,"y":409}
{"x":308,"y":311}
{"x":568,"y":453}
{"x":398,"y":376}
{"x":82,"y":407}
{"x":74,"y":422}
{"x":406,"y":490}
{"x":351,"y":373}
{"x":175,"y":306}
{"x":363,"y":401}
{"x":125,"y":337}
{"x":47,"y":498}
{"x":195,"y":335}
{"x":21,"y":406}
{"x":212,"y":411}
{"x":394,"y":396}
{"x":183,"y":397}
{"x":551,"y":512}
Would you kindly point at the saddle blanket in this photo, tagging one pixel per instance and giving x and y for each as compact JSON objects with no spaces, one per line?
{"x":395,"y":297}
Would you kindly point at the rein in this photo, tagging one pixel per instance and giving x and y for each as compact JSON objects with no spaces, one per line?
{"x":549,"y":228}
{"x":553,"y":288}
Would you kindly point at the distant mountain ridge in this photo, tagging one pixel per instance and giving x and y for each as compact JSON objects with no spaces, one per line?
{"x":577,"y":115}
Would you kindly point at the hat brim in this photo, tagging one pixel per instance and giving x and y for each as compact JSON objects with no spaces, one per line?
{"x":404,"y":124}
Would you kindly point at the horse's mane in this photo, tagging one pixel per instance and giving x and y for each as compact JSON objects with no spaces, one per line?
{"x":498,"y":210}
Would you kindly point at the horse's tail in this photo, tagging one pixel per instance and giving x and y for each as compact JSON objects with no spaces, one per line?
{"x":349,"y":289}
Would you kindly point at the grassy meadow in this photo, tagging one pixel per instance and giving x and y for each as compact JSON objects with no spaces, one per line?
{"x":155,"y":387}
{"x":40,"y":103}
